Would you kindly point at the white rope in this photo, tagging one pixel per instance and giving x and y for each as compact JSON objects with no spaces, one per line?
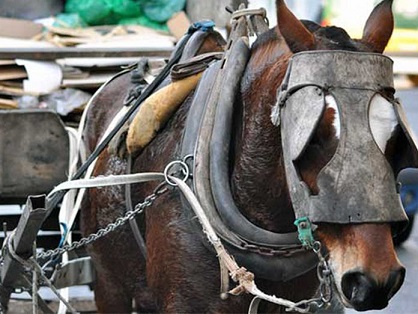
{"x":237,"y":273}
{"x":103,"y":181}
{"x":65,"y":215}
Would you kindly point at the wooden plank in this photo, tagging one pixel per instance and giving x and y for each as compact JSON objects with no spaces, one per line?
{"x":12,"y":90}
{"x":91,"y":81}
{"x":8,"y":104}
{"x":7,"y":62}
{"x":12,"y":72}
{"x":59,"y":53}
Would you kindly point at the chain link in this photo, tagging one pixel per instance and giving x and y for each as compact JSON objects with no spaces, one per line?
{"x":324,"y":276}
{"x":325,"y":286}
{"x":285,"y":251}
{"x":139,"y":208}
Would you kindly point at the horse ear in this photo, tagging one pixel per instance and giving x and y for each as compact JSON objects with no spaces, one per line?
{"x":379,"y":27}
{"x":296,"y":35}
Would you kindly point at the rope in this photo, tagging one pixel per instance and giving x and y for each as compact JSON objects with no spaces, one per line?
{"x":242,"y":276}
{"x":239,"y":274}
{"x":32,"y":264}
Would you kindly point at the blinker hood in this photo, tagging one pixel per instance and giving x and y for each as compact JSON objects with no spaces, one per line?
{"x":358,"y":184}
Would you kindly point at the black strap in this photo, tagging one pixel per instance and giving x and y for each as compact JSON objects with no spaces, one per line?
{"x":139,"y":239}
{"x":57,"y":197}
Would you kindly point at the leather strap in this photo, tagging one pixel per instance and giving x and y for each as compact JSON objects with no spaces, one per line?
{"x":194,"y":65}
{"x":139,"y":239}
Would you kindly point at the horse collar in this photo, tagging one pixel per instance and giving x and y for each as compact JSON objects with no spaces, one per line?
{"x":268,"y":255}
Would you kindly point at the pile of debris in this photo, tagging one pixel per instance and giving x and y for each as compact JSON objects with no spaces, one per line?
{"x":54,"y":66}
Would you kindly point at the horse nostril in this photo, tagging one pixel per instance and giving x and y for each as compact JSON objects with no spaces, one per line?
{"x":355,"y":286}
{"x":395,"y":281}
{"x":363,"y":293}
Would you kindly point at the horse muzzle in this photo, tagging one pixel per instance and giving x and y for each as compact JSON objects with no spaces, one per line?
{"x":367,"y":272}
{"x":364,"y":293}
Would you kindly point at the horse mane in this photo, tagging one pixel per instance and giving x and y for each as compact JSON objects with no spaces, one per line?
{"x":270,"y":47}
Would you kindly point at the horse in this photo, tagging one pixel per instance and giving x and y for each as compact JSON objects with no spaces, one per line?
{"x":180,"y":274}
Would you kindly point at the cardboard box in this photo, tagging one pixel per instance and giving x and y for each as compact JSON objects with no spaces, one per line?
{"x":17,"y":28}
{"x":178,"y":24}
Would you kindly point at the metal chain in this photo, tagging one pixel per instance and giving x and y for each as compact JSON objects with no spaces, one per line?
{"x":324,"y":275}
{"x":285,"y":251}
{"x":325,"y":286}
{"x":139,"y":208}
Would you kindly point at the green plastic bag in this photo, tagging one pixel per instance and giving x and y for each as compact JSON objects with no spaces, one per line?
{"x":93,"y":12}
{"x":126,"y":8}
{"x":69,"y":20}
{"x":102,"y":12}
{"x":144,"y":21}
{"x":161,"y":10}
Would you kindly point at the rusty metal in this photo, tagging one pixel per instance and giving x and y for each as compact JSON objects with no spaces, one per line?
{"x":34,"y":150}
{"x":12,"y":271}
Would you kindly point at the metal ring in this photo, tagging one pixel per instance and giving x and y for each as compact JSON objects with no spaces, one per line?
{"x":316,"y":247}
{"x":184,"y":170}
{"x":187,"y":157}
{"x":190,"y":165}
{"x":266,"y":19}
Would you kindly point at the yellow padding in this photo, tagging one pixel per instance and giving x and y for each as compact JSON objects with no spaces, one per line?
{"x":156,"y":110}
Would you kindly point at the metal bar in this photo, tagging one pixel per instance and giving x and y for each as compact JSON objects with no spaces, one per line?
{"x":59,"y":53}
{"x":25,"y":234}
{"x":76,"y":272}
{"x":42,"y":305}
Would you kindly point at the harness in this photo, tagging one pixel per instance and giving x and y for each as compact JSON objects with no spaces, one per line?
{"x":207,"y":135}
{"x":204,"y":152}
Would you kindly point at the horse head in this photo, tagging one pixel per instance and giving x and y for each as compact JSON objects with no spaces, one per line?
{"x":342,"y":140}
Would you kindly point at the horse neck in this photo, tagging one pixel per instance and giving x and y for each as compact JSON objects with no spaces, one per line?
{"x":258,"y":177}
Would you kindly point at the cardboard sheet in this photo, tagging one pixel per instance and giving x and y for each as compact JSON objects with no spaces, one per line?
{"x":94,"y":80}
{"x":10,"y":72}
{"x":44,"y":76}
{"x":178,"y":24}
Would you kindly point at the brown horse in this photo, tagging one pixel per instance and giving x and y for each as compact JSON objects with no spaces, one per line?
{"x":180,"y":274}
